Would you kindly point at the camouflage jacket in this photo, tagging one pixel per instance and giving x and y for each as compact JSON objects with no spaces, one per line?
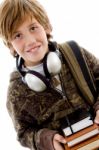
{"x":31,"y":112}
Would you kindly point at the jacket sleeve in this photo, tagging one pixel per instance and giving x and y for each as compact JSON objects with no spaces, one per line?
{"x":28,"y":132}
{"x":93,"y":64}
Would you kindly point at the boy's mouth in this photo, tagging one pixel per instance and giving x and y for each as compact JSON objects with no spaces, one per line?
{"x":33,"y":49}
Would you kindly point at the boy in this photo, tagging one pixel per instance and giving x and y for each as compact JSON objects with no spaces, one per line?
{"x":42,"y":90}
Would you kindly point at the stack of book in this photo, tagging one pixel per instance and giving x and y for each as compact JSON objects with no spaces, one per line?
{"x":80,"y":128}
{"x":86,"y":136}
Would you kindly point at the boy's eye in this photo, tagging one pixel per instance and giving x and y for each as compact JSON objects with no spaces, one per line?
{"x":33,"y":28}
{"x":17,"y":36}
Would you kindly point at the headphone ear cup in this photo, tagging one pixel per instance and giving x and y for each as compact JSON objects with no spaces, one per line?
{"x":36,"y":81}
{"x":53,"y":63}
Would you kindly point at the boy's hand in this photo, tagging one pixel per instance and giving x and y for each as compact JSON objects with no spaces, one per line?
{"x":96,"y":120}
{"x":58,"y":140}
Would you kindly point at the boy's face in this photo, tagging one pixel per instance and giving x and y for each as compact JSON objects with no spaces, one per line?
{"x":30,"y":42}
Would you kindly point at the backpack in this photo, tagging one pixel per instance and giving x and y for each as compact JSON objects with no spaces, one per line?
{"x":79,"y":68}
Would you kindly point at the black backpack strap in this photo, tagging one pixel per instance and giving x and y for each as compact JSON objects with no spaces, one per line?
{"x":83,"y":66}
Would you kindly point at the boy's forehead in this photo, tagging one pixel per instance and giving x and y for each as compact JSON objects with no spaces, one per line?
{"x":27,"y":18}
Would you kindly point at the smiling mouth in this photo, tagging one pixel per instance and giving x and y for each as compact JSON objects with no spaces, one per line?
{"x":33,"y":49}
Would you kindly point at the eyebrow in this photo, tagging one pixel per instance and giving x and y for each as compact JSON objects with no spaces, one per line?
{"x":32,"y":24}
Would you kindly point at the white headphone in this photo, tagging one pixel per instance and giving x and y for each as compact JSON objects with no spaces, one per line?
{"x":51,"y":65}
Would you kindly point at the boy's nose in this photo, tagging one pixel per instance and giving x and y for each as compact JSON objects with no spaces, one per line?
{"x":30,"y":39}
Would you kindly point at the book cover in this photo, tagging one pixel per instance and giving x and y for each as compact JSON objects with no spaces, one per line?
{"x":76,"y":121}
{"x":84,"y":123}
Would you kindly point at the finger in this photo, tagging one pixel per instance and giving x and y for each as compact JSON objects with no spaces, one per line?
{"x":59,"y":138}
{"x":96,"y":120}
{"x":58,"y":146}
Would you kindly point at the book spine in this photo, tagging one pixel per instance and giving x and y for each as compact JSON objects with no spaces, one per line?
{"x":82,"y":138}
{"x":89,"y":144}
{"x":82,"y":132}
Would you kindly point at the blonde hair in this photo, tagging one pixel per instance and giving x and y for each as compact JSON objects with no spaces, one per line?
{"x":13,"y":13}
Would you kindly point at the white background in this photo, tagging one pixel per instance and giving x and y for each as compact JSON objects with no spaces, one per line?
{"x":71,"y":20}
